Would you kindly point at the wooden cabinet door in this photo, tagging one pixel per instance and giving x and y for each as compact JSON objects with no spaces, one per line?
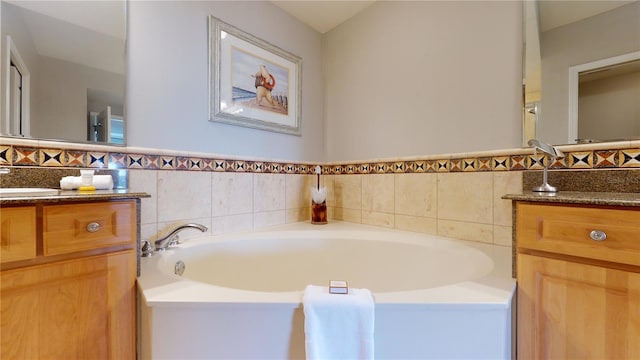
{"x":17,"y":233}
{"x":569,"y":310}
{"x":75,"y":309}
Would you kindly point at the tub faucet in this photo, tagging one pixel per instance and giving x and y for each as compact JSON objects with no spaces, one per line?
{"x":172,"y":239}
{"x":553,"y":153}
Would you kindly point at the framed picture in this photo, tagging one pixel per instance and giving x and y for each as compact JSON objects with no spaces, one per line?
{"x":252,"y":83}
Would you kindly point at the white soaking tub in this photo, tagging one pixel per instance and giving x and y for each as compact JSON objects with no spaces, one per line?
{"x":240,"y":295}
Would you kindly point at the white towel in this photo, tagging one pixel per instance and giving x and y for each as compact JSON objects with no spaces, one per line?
{"x":338,"y":326}
{"x":101,"y":182}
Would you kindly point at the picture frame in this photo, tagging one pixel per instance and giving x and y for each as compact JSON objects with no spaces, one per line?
{"x":252,"y":83}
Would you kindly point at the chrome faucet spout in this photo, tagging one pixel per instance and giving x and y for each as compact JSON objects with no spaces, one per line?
{"x":172,"y":237}
{"x":547,"y":149}
{"x":551,"y":152}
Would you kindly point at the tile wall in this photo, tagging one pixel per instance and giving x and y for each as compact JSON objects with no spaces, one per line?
{"x":458,"y":205}
{"x":223,"y":201}
{"x":453,"y":195}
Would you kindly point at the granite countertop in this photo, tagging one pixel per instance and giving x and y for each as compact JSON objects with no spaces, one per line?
{"x":74,"y":195}
{"x":580,"y":197}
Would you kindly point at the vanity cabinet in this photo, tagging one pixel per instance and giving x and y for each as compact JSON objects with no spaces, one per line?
{"x":71,"y":295}
{"x":578,"y":272}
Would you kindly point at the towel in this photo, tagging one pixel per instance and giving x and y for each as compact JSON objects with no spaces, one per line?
{"x":101,"y":182}
{"x":318,"y":196}
{"x":338,"y":326}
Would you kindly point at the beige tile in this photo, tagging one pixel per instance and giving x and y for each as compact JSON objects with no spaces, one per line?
{"x":466,"y":197}
{"x":231,"y":223}
{"x":465,"y":231}
{"x":377,"y":192}
{"x":349,"y":215}
{"x":416,"y":224}
{"x":268,"y":192}
{"x":330,"y":213}
{"x":348,"y":191}
{"x":416,"y":194}
{"x":328,"y":182}
{"x":146,"y":181}
{"x":376,"y":218}
{"x":268,"y":218}
{"x":183,"y":195}
{"x":231,"y":193}
{"x":502,"y":235}
{"x":148,"y":231}
{"x":298,"y":190}
{"x":505,"y":183}
{"x":299,"y":214}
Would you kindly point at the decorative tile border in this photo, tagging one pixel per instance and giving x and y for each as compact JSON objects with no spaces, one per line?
{"x":19,"y":155}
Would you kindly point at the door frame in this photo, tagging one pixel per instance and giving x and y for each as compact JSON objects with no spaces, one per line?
{"x":13,"y":55}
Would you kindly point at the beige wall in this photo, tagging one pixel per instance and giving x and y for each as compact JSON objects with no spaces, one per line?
{"x":167,"y":93}
{"x":446,"y":78}
{"x":599,"y":37}
{"x":427,"y":77}
{"x":609,"y":108}
{"x":464,"y":206}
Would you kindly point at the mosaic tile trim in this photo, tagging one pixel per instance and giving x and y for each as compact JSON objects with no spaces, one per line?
{"x":629,"y":158}
{"x":606,"y":159}
{"x":6,"y":155}
{"x":500,"y":163}
{"x":13,"y":155}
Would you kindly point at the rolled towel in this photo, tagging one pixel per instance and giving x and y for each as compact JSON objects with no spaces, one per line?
{"x":338,"y":326}
{"x":101,"y":182}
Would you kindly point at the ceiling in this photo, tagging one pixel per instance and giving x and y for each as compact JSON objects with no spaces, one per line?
{"x":79,"y":13}
{"x":554,"y":14}
{"x":323,"y":15}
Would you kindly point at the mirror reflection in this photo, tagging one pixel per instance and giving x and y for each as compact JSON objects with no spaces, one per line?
{"x":582,"y":79}
{"x":63,"y":70}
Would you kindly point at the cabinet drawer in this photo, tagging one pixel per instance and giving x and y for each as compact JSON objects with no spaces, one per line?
{"x":17,"y":233}
{"x":77,"y":227}
{"x":567,"y":230}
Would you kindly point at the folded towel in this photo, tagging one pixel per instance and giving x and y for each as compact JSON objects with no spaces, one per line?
{"x":338,"y":326}
{"x":101,"y":182}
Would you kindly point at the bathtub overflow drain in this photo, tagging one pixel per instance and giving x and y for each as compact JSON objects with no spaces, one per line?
{"x":179,"y":268}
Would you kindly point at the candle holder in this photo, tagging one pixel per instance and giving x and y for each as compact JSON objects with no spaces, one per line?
{"x":318,"y":201}
{"x":319,"y":213}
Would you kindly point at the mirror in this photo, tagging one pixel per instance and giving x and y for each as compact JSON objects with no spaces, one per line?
{"x":582,"y":72}
{"x":62,"y":70}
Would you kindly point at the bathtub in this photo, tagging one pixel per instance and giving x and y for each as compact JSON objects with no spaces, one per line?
{"x":240,"y":294}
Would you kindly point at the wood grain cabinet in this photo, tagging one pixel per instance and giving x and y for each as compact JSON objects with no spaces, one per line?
{"x":70,"y":294}
{"x":17,"y":233}
{"x":578,"y":272}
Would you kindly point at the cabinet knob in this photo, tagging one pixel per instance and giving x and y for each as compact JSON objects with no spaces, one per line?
{"x":93,"y":227}
{"x":598,"y":235}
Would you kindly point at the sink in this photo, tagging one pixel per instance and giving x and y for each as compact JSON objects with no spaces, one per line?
{"x":17,"y":192}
